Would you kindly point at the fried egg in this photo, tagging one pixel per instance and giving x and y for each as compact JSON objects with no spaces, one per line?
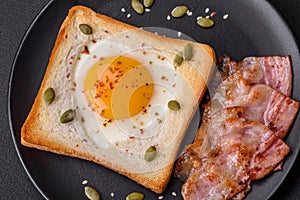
{"x":122,"y":96}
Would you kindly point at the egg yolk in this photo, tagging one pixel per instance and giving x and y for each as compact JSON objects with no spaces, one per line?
{"x":118,"y":87}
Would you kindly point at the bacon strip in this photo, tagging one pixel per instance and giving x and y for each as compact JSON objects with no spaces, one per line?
{"x":275,"y":71}
{"x":234,"y":152}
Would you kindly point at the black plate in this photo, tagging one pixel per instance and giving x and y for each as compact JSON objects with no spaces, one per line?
{"x":254,"y":28}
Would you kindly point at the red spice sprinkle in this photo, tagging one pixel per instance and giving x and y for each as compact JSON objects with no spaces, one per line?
{"x":94,"y":41}
{"x":101,"y":84}
{"x":84,"y":140}
{"x":74,"y":84}
{"x":82,"y":119}
{"x":131,"y":137}
{"x":126,"y":150}
{"x":94,"y":56}
{"x":66,"y":36}
{"x":143,"y":44}
{"x":70,"y":63}
{"x":141,"y":131}
{"x":174,"y":85}
{"x":213,"y":14}
{"x":77,"y":145}
{"x":72,"y":57}
{"x":68,"y":75}
{"x":73,"y":89}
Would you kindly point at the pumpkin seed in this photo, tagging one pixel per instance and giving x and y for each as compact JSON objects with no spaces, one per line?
{"x":49,"y":95}
{"x":148,"y":3}
{"x":205,"y":22}
{"x":135,"y":196}
{"x":188,"y":52}
{"x":86,"y":29}
{"x":91,"y":193}
{"x":137,"y":6}
{"x":150,"y":154}
{"x":179,"y":11}
{"x":174,"y":105}
{"x":68,"y":116}
{"x":178,"y":59}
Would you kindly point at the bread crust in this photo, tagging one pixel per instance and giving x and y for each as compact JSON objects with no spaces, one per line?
{"x":34,"y":132}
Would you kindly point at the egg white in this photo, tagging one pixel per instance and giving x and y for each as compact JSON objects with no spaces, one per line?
{"x":135,"y":134}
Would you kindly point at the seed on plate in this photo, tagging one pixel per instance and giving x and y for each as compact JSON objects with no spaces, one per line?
{"x":84,"y":182}
{"x":178,"y":59}
{"x":188,"y":52}
{"x":86,"y":29}
{"x":189,"y":13}
{"x":123,"y":10}
{"x":179,"y":34}
{"x":91,"y":193}
{"x":168,"y":17}
{"x":206,"y":10}
{"x":179,"y":11}
{"x":160,"y":197}
{"x":199,"y":17}
{"x":128,"y":15}
{"x":147,"y":10}
{"x":148,"y":3}
{"x":174,"y":105}
{"x":135,"y":196}
{"x":137,"y":6}
{"x":174,"y":194}
{"x":49,"y":95}
{"x":150,"y":154}
{"x":68,"y":116}
{"x":225,"y":16}
{"x":205,"y":22}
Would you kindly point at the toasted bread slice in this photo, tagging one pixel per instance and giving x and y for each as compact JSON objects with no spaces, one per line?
{"x":73,"y":49}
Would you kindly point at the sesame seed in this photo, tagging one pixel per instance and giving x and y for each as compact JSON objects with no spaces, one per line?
{"x":84,"y":182}
{"x":160,"y":197}
{"x":199,"y":17}
{"x":179,"y":34}
{"x":174,"y":194}
{"x":206,"y":10}
{"x":155,"y":33}
{"x":112,"y":194}
{"x":189,"y":13}
{"x":147,"y":10}
{"x":128,"y":15}
{"x":123,"y":10}
{"x":168,"y":17}
{"x":207,"y":16}
{"x":225,"y":16}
